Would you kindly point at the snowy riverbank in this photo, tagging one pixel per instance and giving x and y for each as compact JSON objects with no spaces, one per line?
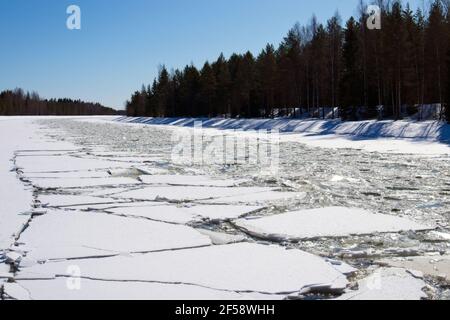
{"x":425,"y":138}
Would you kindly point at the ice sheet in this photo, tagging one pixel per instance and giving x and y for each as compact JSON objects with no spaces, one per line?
{"x":60,"y":289}
{"x":237,"y":267}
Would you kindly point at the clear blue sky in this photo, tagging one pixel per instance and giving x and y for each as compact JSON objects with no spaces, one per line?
{"x":122,"y":42}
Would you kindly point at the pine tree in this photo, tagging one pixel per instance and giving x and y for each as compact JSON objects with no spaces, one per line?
{"x":267,"y":76}
{"x":436,"y":49}
{"x":223,"y":82}
{"x":207,"y":94}
{"x":351,"y":82}
{"x":334,"y":30}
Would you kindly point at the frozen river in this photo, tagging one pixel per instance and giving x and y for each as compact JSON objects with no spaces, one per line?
{"x":126,"y":171}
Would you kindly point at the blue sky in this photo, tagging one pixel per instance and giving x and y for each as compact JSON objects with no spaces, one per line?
{"x":121,"y":43}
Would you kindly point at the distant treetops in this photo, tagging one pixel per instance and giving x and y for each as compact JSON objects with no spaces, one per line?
{"x":351,"y":70}
{"x":17,"y":102}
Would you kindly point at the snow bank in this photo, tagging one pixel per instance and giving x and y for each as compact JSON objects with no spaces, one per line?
{"x":427,"y":130}
{"x":405,"y":137}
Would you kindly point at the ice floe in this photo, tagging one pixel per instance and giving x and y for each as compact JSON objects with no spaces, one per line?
{"x":326,"y":222}
{"x":431,"y":266}
{"x":189,"y":180}
{"x":62,"y":200}
{"x":388,"y":284}
{"x":67,"y":175}
{"x":63,"y":289}
{"x":242,"y":267}
{"x":82,"y":182}
{"x":175,"y":214}
{"x":179,"y":193}
{"x":64,"y":163}
{"x":78,"y":234}
{"x":258,"y":198}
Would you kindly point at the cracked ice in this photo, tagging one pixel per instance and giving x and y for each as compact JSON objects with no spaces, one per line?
{"x":106,"y":197}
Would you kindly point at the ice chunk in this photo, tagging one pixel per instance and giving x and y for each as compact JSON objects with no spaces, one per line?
{"x":219,"y":238}
{"x":76,"y":235}
{"x":13,"y":257}
{"x":236,"y":267}
{"x":388,"y":284}
{"x":189,"y":180}
{"x":59,"y":289}
{"x":16,"y":291}
{"x":5,"y":271}
{"x":342,"y":267}
{"x":326,"y":222}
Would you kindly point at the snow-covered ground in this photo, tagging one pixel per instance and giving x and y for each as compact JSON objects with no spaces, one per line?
{"x":96,"y":208}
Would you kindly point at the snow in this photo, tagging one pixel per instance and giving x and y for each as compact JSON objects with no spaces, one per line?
{"x":326,"y":222}
{"x":240,"y":267}
{"x":388,"y":284}
{"x":58,"y":289}
{"x":78,"y":234}
{"x":175,"y":214}
{"x":423,"y":138}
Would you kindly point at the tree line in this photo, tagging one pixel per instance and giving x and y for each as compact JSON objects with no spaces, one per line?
{"x":320,"y":70}
{"x":18,"y":102}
